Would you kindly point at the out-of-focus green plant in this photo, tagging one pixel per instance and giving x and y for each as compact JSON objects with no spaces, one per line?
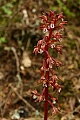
{"x":6,"y":11}
{"x":70,"y":8}
{"x":3,"y":40}
{"x":7,"y":8}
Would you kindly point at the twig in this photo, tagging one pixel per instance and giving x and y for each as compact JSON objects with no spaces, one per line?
{"x":28,"y":44}
{"x":5,"y":103}
{"x":19,"y":84}
{"x":21,"y":98}
{"x":17,"y":60}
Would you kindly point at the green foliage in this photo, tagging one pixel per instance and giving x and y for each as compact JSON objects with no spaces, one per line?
{"x":67,"y":7}
{"x":6,"y":11}
{"x":7,"y":8}
{"x":3,"y":40}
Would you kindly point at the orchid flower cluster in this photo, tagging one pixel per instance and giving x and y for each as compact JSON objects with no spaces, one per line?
{"x":52,"y":24}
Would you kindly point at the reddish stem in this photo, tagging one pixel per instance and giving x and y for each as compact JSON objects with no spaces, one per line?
{"x":47,"y":78}
{"x":46,"y":89}
{"x":46,"y":103}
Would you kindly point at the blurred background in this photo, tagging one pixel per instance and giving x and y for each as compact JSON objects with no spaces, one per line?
{"x":20,"y":68}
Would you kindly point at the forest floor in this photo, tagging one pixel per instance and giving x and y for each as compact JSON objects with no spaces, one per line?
{"x":20,"y":68}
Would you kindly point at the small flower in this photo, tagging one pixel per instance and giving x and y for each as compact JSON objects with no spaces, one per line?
{"x":61,"y":24}
{"x":34,"y":96}
{"x":52,"y":25}
{"x":54,"y":102}
{"x":52,"y":45}
{"x":51,"y":61}
{"x":50,"y":65}
{"x":43,"y":46}
{"x":54,"y":78}
{"x":58,"y":63}
{"x":59,"y":90}
{"x":45,"y":30}
{"x":44,"y":85}
{"x":40,"y":51}
{"x":48,"y":27}
{"x":62,"y":19}
{"x":54,"y":38}
{"x":34,"y":92}
{"x":36,"y":50}
{"x":60,"y":39}
{"x":42,"y":78}
{"x":59,"y":16}
{"x":44,"y":18}
{"x":55,"y":110}
{"x":40,"y":98}
{"x":58,"y":48}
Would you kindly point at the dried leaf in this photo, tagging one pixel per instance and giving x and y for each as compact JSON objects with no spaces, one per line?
{"x":26,"y":60}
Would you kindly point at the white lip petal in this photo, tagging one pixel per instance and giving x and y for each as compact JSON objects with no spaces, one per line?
{"x":54,"y":102}
{"x":52,"y":25}
{"x":41,"y":51}
{"x":45,"y":30}
{"x":59,"y":90}
{"x":52,"y":45}
{"x":34,"y":96}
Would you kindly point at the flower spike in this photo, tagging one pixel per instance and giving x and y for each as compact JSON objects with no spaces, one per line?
{"x":52,"y":24}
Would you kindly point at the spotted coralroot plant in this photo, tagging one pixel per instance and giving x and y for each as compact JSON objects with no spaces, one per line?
{"x":52,"y":24}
